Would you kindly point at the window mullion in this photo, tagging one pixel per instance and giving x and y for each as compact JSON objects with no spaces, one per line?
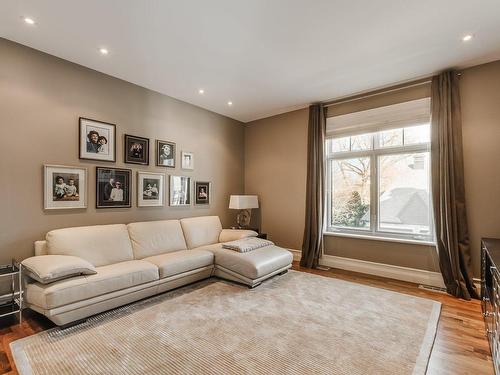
{"x":329,"y":186}
{"x":373,"y":193}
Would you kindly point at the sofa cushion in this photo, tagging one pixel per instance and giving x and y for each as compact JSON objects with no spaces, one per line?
{"x":177,"y":262}
{"x":156,"y":237}
{"x":50,"y":268}
{"x":227,"y":235}
{"x":200,"y":231}
{"x":254,"y":264}
{"x":107,"y":279}
{"x":99,"y":244}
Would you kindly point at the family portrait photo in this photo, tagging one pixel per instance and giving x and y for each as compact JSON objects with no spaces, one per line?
{"x":165,"y":154}
{"x":97,"y":140}
{"x":113,"y":187}
{"x":150,"y":190}
{"x":136,"y":150}
{"x":65,"y":187}
{"x":180,"y":191}
{"x":187,"y":160}
{"x":202,"y":192}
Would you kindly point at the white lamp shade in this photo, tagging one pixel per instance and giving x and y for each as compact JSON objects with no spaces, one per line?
{"x":243,"y":202}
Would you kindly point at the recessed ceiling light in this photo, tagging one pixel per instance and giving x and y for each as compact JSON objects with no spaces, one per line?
{"x":29,"y":21}
{"x":230,"y":103}
{"x":103,"y":51}
{"x":467,"y":37}
{"x":201,"y":91}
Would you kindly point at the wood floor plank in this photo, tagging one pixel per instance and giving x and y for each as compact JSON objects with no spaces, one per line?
{"x":460,"y":347}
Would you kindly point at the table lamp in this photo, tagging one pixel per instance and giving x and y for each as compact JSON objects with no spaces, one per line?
{"x":245,"y":203}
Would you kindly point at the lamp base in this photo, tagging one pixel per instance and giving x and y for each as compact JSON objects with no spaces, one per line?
{"x":243,"y":218}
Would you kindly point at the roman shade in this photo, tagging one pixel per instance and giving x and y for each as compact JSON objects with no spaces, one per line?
{"x":411,"y":113}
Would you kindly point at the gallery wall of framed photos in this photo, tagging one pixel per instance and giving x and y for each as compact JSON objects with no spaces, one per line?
{"x":40,"y":110}
{"x":66,"y":187}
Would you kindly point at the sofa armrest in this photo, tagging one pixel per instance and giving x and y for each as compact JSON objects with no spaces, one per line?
{"x":49,"y":268}
{"x":41,"y":248}
{"x":236,"y":234}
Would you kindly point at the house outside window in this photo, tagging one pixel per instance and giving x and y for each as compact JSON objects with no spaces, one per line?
{"x":378,"y":172}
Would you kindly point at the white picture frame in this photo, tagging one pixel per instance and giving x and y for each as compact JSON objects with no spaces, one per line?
{"x":65,"y":187}
{"x":150,"y":189}
{"x":187,"y":160}
{"x":180,"y":191}
{"x":97,"y":140}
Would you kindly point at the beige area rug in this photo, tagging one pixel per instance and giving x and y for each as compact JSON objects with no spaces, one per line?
{"x":297,"y":323}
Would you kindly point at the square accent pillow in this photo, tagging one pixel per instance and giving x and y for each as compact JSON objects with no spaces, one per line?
{"x":49,"y":268}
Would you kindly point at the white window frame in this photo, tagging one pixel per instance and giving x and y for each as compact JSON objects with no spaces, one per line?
{"x":374,"y":154}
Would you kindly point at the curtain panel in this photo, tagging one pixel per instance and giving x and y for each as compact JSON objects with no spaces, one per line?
{"x":448,"y":191}
{"x":313,"y":231}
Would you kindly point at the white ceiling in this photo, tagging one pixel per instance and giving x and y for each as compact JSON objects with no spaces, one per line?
{"x":266,"y":56}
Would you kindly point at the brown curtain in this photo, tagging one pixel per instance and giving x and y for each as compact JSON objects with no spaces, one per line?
{"x":448,"y":192}
{"x":313,"y":231}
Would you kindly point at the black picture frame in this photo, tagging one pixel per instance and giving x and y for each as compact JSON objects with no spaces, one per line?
{"x":199,"y":199}
{"x":105,"y":189}
{"x":128,"y":156}
{"x":165,"y":161}
{"x":83,"y":145}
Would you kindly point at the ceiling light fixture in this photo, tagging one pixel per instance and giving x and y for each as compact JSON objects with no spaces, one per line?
{"x":467,"y":37}
{"x":230,"y":103}
{"x":29,"y":21}
{"x":201,"y":91}
{"x":103,"y":51}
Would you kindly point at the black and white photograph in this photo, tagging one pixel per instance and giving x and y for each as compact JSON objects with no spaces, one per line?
{"x":202,"y":192}
{"x":113,"y":187}
{"x":187,"y":160}
{"x":136,"y":150}
{"x":65,"y":187}
{"x":97,"y":140}
{"x":165,"y":154}
{"x":150,"y":189}
{"x":180,"y":191}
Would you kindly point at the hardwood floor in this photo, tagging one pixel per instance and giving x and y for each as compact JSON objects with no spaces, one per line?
{"x":460,"y":346}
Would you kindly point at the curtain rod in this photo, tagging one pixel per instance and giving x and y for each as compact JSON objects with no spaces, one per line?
{"x":354,"y":98}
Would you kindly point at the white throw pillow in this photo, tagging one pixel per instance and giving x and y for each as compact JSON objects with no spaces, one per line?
{"x":49,"y":268}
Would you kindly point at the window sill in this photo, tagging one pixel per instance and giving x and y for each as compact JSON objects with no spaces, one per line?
{"x":380,"y":238}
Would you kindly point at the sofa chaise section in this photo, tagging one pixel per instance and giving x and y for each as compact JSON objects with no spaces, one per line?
{"x":249,"y":268}
{"x":206,"y":234}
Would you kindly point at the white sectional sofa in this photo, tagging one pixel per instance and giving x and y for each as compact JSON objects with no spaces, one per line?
{"x":139,"y":260}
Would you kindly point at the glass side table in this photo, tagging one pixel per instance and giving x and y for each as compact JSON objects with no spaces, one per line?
{"x":12,"y":303}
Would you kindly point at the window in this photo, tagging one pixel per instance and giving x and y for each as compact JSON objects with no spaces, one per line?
{"x":378,"y":182}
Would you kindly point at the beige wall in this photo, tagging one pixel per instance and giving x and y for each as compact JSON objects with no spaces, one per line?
{"x":394,"y":253}
{"x":480,"y":90}
{"x":41,"y":98}
{"x":275,"y":170}
{"x":480,"y":93}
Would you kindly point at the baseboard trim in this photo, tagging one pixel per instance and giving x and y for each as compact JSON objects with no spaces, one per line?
{"x":412,"y":275}
{"x":477,"y":283}
{"x":296,"y":254}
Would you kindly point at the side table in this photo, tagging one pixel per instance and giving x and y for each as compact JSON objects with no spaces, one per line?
{"x":13,"y":304}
